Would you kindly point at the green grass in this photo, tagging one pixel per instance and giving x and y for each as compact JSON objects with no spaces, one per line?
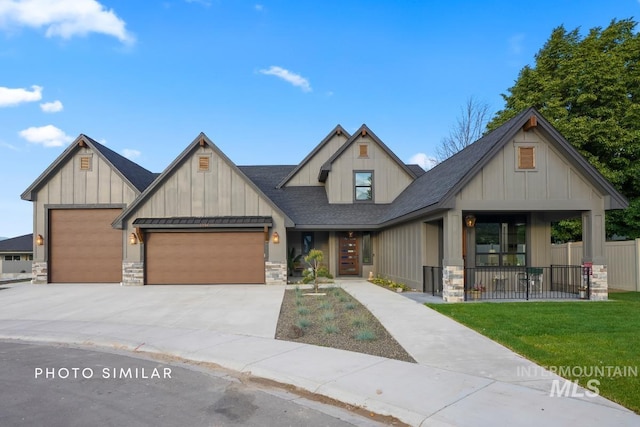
{"x":349,"y":306}
{"x":584,"y":334}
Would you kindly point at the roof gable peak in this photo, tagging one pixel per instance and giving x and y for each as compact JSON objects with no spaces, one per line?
{"x":338,"y":130}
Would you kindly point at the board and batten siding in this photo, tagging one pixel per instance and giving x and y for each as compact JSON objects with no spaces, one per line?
{"x":389,"y":179}
{"x":399,"y":255}
{"x":100,"y":185}
{"x":220,"y":191}
{"x":554,"y":184}
{"x":307,"y":175}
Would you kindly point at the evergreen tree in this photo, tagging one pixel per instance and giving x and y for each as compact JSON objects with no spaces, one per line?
{"x":589,"y":89}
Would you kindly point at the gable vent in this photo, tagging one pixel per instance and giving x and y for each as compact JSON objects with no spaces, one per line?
{"x":85,"y":163}
{"x":526,"y":158}
{"x":203,"y":163}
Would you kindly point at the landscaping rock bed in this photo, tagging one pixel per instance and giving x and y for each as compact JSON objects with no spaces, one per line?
{"x":335,"y":320}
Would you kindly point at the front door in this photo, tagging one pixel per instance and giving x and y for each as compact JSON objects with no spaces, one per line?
{"x":349,"y":255}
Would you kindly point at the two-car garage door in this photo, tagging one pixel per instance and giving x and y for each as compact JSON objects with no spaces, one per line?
{"x":221,"y":257}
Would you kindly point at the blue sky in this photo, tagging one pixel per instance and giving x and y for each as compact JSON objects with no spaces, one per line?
{"x":265,"y":80}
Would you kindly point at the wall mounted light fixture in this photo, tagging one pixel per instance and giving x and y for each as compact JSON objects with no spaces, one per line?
{"x":470,"y":221}
{"x":276,"y":237}
{"x":39,"y":240}
{"x":133,"y":239}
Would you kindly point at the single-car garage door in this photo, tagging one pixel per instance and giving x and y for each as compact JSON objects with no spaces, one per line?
{"x":83,"y":247}
{"x":204,"y":258}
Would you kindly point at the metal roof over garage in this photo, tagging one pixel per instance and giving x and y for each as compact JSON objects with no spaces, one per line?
{"x":205,"y":222}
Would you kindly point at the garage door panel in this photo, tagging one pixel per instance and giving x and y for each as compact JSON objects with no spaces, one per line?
{"x":204,"y":258}
{"x":83,"y":247}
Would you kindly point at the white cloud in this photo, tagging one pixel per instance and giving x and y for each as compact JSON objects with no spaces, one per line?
{"x":52,"y":107}
{"x":10,"y":97}
{"x":64,"y":18}
{"x":131,"y":154}
{"x":47,"y":136}
{"x":425,"y":162}
{"x":260,"y":7}
{"x":288,"y":76}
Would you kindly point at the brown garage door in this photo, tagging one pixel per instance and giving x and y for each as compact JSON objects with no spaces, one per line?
{"x":83,"y":247}
{"x":204,"y":258}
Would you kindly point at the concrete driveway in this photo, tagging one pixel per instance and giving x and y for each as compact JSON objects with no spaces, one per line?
{"x":233,"y":309}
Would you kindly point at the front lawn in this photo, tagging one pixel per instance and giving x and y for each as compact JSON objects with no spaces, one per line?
{"x":568,"y":334}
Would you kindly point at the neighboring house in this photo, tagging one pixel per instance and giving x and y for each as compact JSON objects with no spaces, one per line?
{"x":16,"y":255}
{"x":103,"y":218}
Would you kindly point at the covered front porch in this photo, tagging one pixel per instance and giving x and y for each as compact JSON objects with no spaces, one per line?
{"x":496,"y":255}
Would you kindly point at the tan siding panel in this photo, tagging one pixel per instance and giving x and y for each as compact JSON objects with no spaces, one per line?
{"x":205,"y":258}
{"x":83,"y":248}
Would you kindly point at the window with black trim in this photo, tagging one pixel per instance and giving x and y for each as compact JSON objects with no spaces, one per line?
{"x":363,"y":186}
{"x":501,"y":243}
{"x":307,"y":242}
{"x":367,"y":249}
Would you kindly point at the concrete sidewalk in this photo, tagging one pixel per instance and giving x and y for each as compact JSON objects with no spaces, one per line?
{"x":462,"y":378}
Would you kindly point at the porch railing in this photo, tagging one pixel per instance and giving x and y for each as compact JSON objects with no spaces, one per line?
{"x":554,"y":282}
{"x":490,"y":283}
{"x":432,"y":280}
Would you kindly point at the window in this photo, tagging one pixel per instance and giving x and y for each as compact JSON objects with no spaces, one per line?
{"x":85,"y":163}
{"x":307,"y":243}
{"x":526,"y":158}
{"x":364,"y":150}
{"x":203,"y":163}
{"x":29,"y":257}
{"x":8,"y":258}
{"x":500,"y":243}
{"x":364,"y":186}
{"x":367,"y":250}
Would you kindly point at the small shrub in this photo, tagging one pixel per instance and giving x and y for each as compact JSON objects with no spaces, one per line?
{"x":359,"y":321}
{"x":299,"y":302}
{"x":365,"y":335}
{"x":303,"y":323}
{"x":303,"y":311}
{"x":330,"y":329}
{"x":349,"y":306}
{"x":343,"y":298}
{"x":328,"y":315}
{"x":325,"y":305}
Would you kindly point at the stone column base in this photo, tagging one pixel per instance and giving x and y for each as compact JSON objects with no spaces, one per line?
{"x":40,"y":273}
{"x":453,"y":283}
{"x":599,"y":285}
{"x":132,"y":273}
{"x":275,"y":273}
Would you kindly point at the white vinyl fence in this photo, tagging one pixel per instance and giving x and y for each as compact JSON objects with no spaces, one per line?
{"x":623,"y":261}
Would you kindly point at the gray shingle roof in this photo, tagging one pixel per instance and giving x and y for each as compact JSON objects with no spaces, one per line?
{"x":130,"y":172}
{"x":136,"y":174}
{"x":436,"y":183}
{"x":17,"y":244}
{"x":308,"y":206}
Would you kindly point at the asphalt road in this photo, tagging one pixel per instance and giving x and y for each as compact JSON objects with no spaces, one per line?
{"x":42,"y":384}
